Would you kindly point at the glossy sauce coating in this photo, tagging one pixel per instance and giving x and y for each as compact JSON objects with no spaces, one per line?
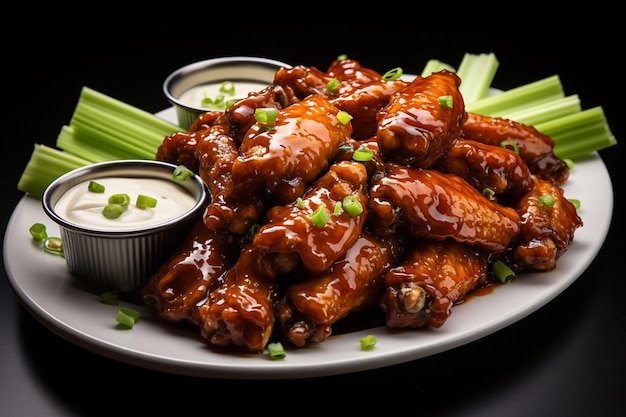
{"x":290,"y":229}
{"x":433,"y":277}
{"x":182,"y":283}
{"x":535,"y":148}
{"x":309,"y":308}
{"x":437,"y":205}
{"x":415,"y":129}
{"x":285,"y":159}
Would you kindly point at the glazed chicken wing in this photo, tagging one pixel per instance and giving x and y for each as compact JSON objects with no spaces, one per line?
{"x":434,"y":276}
{"x":438,"y":205}
{"x":174,"y":292}
{"x":216,"y":153}
{"x":416,"y":128}
{"x":535,"y":148}
{"x":309,"y":308}
{"x":284,"y":159}
{"x":291,"y":236}
{"x":364,"y":102}
{"x":547,"y":227}
{"x":488,"y":167}
{"x":239,"y":314}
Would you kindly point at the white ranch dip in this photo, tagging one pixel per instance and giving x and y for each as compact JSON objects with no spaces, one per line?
{"x":195,"y":95}
{"x":84,"y":208}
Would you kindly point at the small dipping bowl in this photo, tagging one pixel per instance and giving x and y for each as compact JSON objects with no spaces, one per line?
{"x":185,"y":87}
{"x":121,"y":253}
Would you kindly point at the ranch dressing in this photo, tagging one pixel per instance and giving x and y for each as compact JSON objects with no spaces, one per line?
{"x":82,"y":207}
{"x":195,"y":95}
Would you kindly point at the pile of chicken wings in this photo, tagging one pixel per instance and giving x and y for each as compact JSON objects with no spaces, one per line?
{"x":411,"y":229}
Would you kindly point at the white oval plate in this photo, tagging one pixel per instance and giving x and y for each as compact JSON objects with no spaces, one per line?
{"x":51,"y":294}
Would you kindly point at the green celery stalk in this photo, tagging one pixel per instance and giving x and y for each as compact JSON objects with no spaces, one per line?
{"x":547,"y":111}
{"x":476,"y":72}
{"x":44,"y":166}
{"x":579,"y":134}
{"x":519,"y":98}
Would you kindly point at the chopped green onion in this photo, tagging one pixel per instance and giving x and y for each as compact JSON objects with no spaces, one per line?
{"x":575,"y":202}
{"x":144,"y":201}
{"x":320,"y":216}
{"x":489,"y":193}
{"x":38,"y":232}
{"x":393,"y":74}
{"x":509,"y":144}
{"x":276,"y":351}
{"x":181,"y":173}
{"x":344,"y":117}
{"x":446,"y":101}
{"x":228,"y":87}
{"x":110,"y":297}
{"x":265,"y":115}
{"x":502,"y":271}
{"x":333,"y":85}
{"x":126,"y":317}
{"x":363,"y":155}
{"x":342,"y":57}
{"x":346,"y":148}
{"x":352,"y":205}
{"x":368,"y":342}
{"x":120,"y":199}
{"x":299,"y":202}
{"x":112,"y":211}
{"x":95,"y":187}
{"x":53,"y":245}
{"x":547,"y":200}
{"x":337,"y":210}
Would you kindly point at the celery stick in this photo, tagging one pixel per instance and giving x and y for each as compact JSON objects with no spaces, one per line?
{"x":434,"y":65}
{"x":579,"y":134}
{"x":476,"y":72}
{"x":519,"y":98}
{"x":546,"y":111}
{"x":44,"y":166}
{"x":124,"y":110}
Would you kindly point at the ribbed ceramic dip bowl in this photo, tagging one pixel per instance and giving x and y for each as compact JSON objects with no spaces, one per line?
{"x":120,"y":221}
{"x":209,"y":84}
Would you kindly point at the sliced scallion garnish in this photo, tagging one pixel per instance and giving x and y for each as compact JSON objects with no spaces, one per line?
{"x":181,"y":173}
{"x":368,"y":342}
{"x":502,"y":271}
{"x":126,"y":317}
{"x":320,"y":216}
{"x":276,"y":351}
{"x":144,"y":201}
{"x":95,"y":187}
{"x":38,"y":232}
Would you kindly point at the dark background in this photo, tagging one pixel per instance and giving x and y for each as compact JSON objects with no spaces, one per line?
{"x":568,"y":358}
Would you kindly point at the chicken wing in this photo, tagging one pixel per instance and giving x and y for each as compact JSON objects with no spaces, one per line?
{"x":285,"y":159}
{"x":310,"y":307}
{"x":416,"y":127}
{"x":547,"y":226}
{"x":239,"y":314}
{"x":434,"y":276}
{"x":174,"y":292}
{"x":495,"y":169}
{"x":438,"y":205}
{"x":535,"y":148}
{"x":291,"y":236}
